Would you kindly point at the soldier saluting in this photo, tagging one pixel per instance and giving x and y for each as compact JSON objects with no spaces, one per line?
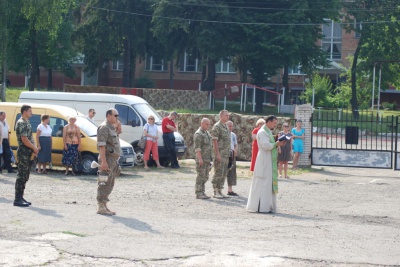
{"x":109,"y":148}
{"x":202,"y":148}
{"x":26,"y":147}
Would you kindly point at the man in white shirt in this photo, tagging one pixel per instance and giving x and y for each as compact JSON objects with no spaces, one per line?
{"x":5,"y":133}
{"x":231,"y":177}
{"x":91,"y":115}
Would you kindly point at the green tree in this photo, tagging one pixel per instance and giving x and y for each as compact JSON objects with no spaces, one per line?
{"x":111,"y":30}
{"x":322,"y":89}
{"x":379,"y":39}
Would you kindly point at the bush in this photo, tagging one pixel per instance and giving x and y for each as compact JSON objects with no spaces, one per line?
{"x":389,"y":106}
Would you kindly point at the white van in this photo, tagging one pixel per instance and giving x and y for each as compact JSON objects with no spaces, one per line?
{"x":59,"y":116}
{"x":133,"y":113}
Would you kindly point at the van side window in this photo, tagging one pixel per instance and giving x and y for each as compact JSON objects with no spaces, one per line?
{"x":127,"y":116}
{"x":34,"y":120}
{"x":57,"y":124}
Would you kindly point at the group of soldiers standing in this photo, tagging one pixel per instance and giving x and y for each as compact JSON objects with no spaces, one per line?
{"x":207,"y":145}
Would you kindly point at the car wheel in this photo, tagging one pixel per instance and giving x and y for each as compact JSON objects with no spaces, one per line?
{"x":87,"y":160}
{"x":139,"y":159}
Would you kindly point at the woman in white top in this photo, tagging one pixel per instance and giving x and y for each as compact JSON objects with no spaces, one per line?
{"x":44,"y":141}
{"x":151,"y":132}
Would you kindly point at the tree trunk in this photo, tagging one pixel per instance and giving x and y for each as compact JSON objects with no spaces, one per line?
{"x":50,"y":79}
{"x":171,"y":74}
{"x":285,"y":83}
{"x":353,"y":100}
{"x":259,"y":101}
{"x":127,"y":61}
{"x":209,"y":81}
{"x":34,"y":61}
{"x":4,"y":83}
{"x":132,"y":69}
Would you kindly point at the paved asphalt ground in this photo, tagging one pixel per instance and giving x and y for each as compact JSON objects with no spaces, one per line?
{"x":327,"y":217}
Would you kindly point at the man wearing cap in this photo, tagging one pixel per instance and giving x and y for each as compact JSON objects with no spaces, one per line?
{"x":168,"y":128}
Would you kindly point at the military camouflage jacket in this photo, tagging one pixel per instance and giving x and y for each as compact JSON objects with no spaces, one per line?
{"x":221,"y":133}
{"x":23,"y":128}
{"x":202,"y":142}
{"x":107,"y":136}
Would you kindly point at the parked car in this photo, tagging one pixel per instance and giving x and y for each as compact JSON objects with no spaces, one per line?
{"x":59,"y":116}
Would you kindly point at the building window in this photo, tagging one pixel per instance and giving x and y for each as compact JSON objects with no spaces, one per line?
{"x":295,"y":70}
{"x":358,"y":28}
{"x":190,"y":63}
{"x":154,"y":63}
{"x":118,"y":65}
{"x":332,"y":40}
{"x":225,"y":66}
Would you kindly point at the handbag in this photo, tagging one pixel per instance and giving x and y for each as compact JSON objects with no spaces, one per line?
{"x":78,"y":167}
{"x":143,"y":140}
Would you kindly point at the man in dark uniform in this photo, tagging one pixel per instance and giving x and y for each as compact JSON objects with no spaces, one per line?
{"x":109,"y":147}
{"x":26,"y":146}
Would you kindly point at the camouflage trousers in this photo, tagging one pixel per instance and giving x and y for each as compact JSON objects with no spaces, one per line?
{"x":104,"y":190}
{"x":220,"y":173}
{"x":24,"y":155}
{"x":202,"y":177}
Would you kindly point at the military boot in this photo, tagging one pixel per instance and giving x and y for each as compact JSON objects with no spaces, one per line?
{"x":217,"y":193}
{"x":112,"y":212}
{"x":24,"y":200}
{"x":103,"y":210}
{"x":19,"y":202}
{"x":223,"y":196}
{"x":202,"y":196}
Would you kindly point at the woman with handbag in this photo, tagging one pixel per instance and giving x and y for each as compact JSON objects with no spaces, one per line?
{"x":72,"y":144}
{"x":150,"y":131}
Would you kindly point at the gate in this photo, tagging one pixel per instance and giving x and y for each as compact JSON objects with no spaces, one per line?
{"x":369,"y":141}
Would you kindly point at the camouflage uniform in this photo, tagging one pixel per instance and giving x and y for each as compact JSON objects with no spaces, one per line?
{"x":221,"y":133}
{"x":202,"y":143}
{"x":24,"y":154}
{"x":107,"y":136}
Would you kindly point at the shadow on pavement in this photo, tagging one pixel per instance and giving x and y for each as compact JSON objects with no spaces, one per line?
{"x":238,"y":201}
{"x":46,"y":212}
{"x":292,"y":216}
{"x":135,"y":224}
{"x":6,"y":182}
{"x":4,"y":200}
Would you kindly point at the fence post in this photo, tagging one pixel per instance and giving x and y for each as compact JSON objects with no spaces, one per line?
{"x":304,"y":113}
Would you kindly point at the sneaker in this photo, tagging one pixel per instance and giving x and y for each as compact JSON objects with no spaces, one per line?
{"x":232,"y":194}
{"x":280,"y":176}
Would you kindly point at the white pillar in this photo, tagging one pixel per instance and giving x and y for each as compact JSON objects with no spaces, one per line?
{"x":373,"y":89}
{"x":241,"y":98}
{"x":245,"y":97}
{"x":254,"y":99}
{"x":379,"y":86}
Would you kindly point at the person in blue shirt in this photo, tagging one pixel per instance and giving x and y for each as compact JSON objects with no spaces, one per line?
{"x":298,"y":142}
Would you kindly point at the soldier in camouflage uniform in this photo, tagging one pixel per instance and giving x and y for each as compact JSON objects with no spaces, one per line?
{"x":109,"y":147}
{"x":203,"y":150}
{"x":26,"y":147}
{"x":222,"y":145}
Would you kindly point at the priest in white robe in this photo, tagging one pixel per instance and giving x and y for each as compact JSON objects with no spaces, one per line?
{"x":264,"y":186}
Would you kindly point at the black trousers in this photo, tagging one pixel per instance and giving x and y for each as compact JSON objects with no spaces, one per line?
{"x":6,"y":155}
{"x":169,"y":142}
